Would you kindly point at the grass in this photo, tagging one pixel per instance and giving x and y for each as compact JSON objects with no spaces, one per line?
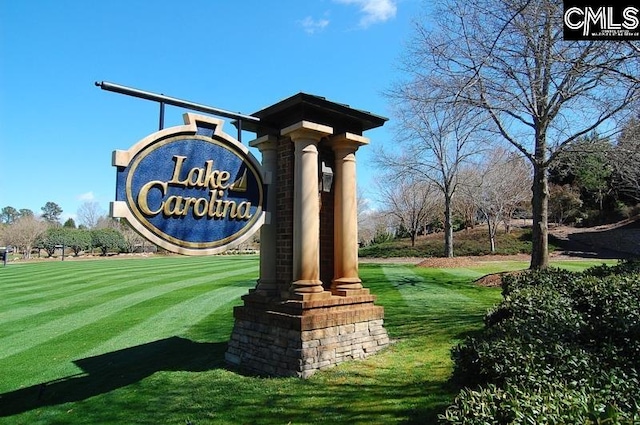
{"x":142,"y":341}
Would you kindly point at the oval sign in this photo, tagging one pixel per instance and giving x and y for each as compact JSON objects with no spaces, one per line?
{"x":191,"y":189}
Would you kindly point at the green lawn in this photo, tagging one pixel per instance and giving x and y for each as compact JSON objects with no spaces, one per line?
{"x":142,"y":341}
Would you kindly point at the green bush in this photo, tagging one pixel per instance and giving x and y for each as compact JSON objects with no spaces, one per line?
{"x":554,"y":403}
{"x":556,"y":333}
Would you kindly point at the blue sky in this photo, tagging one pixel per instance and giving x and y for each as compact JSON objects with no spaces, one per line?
{"x":57,"y":130}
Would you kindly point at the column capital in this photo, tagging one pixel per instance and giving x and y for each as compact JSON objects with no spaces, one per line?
{"x":264,"y":143}
{"x":348,"y":141}
{"x":307,"y":130}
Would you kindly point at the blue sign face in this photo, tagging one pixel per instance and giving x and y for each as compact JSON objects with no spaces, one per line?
{"x":193,"y":192}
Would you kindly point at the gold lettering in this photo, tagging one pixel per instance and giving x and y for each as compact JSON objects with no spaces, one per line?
{"x":175,"y":179}
{"x":218,"y":212}
{"x":243,"y":211}
{"x":143,"y":196}
{"x":188,"y":202}
{"x":194,"y":178}
{"x":214,"y":179}
{"x":172,"y":206}
{"x":216,"y":207}
{"x":200,"y":207}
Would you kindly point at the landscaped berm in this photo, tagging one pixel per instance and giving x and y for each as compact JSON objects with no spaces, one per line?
{"x":129,"y":340}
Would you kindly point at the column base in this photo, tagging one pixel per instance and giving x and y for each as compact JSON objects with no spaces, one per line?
{"x":347,"y":286}
{"x":306,"y":286}
{"x":299,"y":338}
{"x":267,"y":287}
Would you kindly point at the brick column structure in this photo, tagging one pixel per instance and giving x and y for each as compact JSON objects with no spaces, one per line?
{"x":306,"y":210}
{"x":294,"y":326}
{"x":267,"y":282}
{"x":345,"y":279}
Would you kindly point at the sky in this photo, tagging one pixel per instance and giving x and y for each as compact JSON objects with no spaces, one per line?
{"x":58,"y":130}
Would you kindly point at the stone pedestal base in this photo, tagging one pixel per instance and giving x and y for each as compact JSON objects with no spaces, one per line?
{"x":299,"y":337}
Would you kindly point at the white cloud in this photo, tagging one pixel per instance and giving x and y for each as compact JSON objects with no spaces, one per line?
{"x":312,"y":26}
{"x":373,"y":11}
{"x":89,"y":196}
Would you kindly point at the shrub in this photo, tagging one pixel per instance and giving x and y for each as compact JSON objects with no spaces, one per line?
{"x":556,"y":333}
{"x":555,"y":403}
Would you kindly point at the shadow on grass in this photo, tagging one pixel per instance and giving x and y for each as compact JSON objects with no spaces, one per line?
{"x":114,"y":370}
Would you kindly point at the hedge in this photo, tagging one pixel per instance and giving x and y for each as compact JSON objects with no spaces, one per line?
{"x":560,"y":348}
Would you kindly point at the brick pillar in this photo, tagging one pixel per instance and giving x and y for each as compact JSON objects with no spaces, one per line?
{"x":306,"y":219}
{"x":345,"y":279}
{"x":267,"y":283}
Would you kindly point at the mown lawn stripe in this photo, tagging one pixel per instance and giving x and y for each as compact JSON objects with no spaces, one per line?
{"x":417,"y":289}
{"x":62,"y":299}
{"x":74,"y":277}
{"x":32,"y":337}
{"x":174,"y":320}
{"x":105,"y":336}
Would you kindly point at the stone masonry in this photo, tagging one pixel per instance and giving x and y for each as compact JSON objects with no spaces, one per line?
{"x":309,"y":310}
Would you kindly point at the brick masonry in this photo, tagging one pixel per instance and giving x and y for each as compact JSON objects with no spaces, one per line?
{"x":276,"y":335}
{"x":297,"y":338}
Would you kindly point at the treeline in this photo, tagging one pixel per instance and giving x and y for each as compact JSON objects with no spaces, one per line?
{"x":596,"y":181}
{"x":27,"y":233}
{"x":593,"y":180}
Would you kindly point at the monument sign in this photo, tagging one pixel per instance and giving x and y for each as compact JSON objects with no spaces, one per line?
{"x":195,"y":190}
{"x":190,"y":189}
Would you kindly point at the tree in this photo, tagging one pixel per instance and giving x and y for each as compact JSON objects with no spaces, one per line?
{"x":8,"y":215}
{"x":51,"y":212}
{"x":78,"y":240}
{"x":24,"y":233}
{"x":464,"y":205}
{"x":52,"y":239}
{"x":434,"y":143}
{"x":587,"y":164}
{"x":25,"y":212}
{"x":89,"y":213}
{"x":413,"y":204}
{"x":508,"y":59}
{"x":626,"y":161}
{"x":564,"y":202}
{"x":69,"y":224}
{"x":130,"y":238}
{"x":501,"y":184}
{"x":107,"y":239}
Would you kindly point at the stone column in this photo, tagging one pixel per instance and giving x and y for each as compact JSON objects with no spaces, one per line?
{"x":345,"y":279}
{"x":267,"y":282}
{"x":306,"y":221}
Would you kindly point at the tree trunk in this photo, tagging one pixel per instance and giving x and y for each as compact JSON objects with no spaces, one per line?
{"x":492,"y":235}
{"x":448,"y":227}
{"x":540,"y":230}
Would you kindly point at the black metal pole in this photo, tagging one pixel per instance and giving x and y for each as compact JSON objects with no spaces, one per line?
{"x":116,"y":88}
{"x":161,"y":123}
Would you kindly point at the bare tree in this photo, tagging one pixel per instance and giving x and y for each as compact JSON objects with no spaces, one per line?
{"x":24,"y":232}
{"x":89,"y":214}
{"x":434,"y":143}
{"x":498,"y":187}
{"x":508,"y":59}
{"x":464,"y":205}
{"x":412,"y":203}
{"x":372,"y":224}
{"x":132,"y":240}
